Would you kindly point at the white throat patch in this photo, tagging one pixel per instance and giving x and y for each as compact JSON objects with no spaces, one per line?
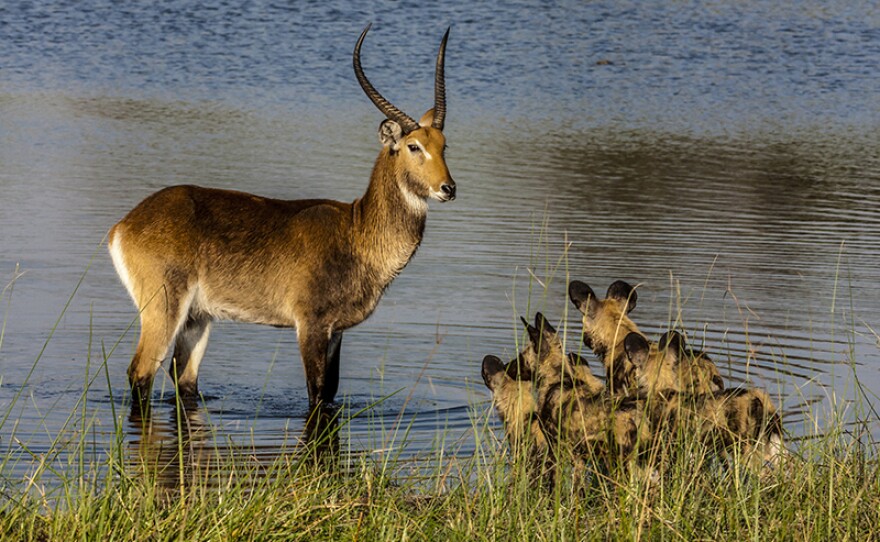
{"x":413,"y":201}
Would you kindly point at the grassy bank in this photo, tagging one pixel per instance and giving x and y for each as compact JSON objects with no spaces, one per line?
{"x":829,"y":489}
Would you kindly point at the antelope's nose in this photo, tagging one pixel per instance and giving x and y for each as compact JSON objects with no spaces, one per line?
{"x":448,"y":190}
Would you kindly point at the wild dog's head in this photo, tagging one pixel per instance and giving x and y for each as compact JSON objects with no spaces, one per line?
{"x":606,"y":325}
{"x":671,"y":365}
{"x":511,"y":387}
{"x":551,"y":364}
{"x":696,"y":371}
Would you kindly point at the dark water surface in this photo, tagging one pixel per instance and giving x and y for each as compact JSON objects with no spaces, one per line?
{"x":724,"y":156}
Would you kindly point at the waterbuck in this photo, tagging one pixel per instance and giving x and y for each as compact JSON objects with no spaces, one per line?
{"x":189,"y":255}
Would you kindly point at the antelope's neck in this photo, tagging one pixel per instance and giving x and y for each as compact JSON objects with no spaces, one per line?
{"x":391,"y":223}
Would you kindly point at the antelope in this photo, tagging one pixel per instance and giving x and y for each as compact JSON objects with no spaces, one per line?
{"x":188,"y":255}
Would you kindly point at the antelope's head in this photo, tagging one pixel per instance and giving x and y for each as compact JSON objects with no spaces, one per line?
{"x":417,"y":147}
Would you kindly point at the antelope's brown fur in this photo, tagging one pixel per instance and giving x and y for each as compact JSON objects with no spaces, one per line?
{"x":189,"y":255}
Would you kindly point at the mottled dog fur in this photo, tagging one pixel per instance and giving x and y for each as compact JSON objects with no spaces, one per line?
{"x":546,"y":358}
{"x":670,"y":365}
{"x":607,"y":325}
{"x":742,"y":423}
{"x":514,"y":400}
{"x":579,"y":418}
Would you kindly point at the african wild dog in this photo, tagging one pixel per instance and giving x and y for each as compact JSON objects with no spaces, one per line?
{"x":671,"y":365}
{"x":551,"y":366}
{"x":514,"y":400}
{"x":742,"y":423}
{"x":580,"y":419}
{"x":607,"y":324}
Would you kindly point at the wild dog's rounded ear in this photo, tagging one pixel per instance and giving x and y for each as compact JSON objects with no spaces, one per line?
{"x":492,"y":365}
{"x":390,"y":133}
{"x":588,"y":341}
{"x":672,"y":341}
{"x":624,"y":293}
{"x":543,"y":324}
{"x":583,"y":297}
{"x":538,"y":339}
{"x":576,"y":359}
{"x":636,"y":347}
{"x":518,"y":369}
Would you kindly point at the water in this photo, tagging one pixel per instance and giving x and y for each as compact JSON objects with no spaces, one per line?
{"x":722,"y":156}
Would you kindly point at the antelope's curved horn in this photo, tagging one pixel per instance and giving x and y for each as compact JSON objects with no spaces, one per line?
{"x":406,"y":122}
{"x":440,"y":85}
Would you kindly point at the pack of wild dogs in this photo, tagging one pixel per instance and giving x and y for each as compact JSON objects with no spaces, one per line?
{"x":653,"y":393}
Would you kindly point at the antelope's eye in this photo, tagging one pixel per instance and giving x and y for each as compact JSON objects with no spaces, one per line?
{"x":413,"y":148}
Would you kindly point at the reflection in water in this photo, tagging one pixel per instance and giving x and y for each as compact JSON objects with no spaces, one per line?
{"x":726,"y":162}
{"x":187,"y":449}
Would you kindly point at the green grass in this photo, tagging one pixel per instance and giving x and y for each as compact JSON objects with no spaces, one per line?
{"x":830,"y":490}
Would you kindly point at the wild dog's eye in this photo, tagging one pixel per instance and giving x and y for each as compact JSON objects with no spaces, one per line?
{"x":413,"y":148}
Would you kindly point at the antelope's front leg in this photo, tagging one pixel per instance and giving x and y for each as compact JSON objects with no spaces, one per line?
{"x":319,"y":349}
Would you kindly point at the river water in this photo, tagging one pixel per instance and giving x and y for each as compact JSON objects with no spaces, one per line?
{"x":723,"y":156}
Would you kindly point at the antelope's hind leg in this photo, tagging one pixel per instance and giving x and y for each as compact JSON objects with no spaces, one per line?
{"x":189,"y":348}
{"x":161,"y":318}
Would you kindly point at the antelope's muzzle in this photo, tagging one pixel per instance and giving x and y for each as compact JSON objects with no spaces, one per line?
{"x":448,"y":190}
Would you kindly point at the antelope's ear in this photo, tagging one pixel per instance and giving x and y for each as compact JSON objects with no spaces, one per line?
{"x":542,"y":324}
{"x":583,"y":297}
{"x":624,"y":293}
{"x":492,"y":365}
{"x":390,"y":133}
{"x":427,"y":119}
{"x":636,"y":347}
